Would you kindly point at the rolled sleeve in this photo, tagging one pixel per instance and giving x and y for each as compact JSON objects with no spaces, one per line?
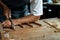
{"x":37,"y":8}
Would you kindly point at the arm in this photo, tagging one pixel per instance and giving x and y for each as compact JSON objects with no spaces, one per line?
{"x":3,"y":5}
{"x":6,"y":10}
{"x":35,"y":14}
{"x":26,"y":19}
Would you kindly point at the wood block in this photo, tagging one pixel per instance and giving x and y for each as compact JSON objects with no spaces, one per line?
{"x":37,"y":32}
{"x":30,"y":33}
{"x":53,"y":23}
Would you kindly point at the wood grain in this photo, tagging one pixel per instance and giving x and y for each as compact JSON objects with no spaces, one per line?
{"x":40,"y":30}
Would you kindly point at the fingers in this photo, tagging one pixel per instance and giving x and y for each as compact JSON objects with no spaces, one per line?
{"x":6,"y":24}
{"x":7,"y":13}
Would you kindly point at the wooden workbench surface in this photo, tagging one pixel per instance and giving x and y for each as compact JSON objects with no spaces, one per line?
{"x":46,"y":29}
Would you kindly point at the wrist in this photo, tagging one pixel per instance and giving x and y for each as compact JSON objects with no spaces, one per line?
{"x":15,"y":21}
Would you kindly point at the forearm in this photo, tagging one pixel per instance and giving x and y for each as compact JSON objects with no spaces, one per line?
{"x":6,"y":10}
{"x":2,"y":5}
{"x":27,"y":19}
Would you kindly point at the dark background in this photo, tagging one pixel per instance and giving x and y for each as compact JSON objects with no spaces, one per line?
{"x":50,"y":11}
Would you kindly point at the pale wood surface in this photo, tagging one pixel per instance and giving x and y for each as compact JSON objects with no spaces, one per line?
{"x":49,"y":29}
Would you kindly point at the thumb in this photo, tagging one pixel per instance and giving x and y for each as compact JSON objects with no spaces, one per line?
{"x":9,"y":14}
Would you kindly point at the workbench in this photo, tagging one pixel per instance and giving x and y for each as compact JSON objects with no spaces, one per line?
{"x":45,"y":29}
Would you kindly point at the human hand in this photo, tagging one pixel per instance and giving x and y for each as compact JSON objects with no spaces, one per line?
{"x":7,"y":13}
{"x":7,"y":23}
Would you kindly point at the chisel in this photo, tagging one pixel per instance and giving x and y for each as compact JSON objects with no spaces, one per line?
{"x":12,"y":25}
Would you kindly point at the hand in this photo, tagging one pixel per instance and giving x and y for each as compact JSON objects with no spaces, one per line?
{"x":7,"y":13}
{"x":7,"y":23}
